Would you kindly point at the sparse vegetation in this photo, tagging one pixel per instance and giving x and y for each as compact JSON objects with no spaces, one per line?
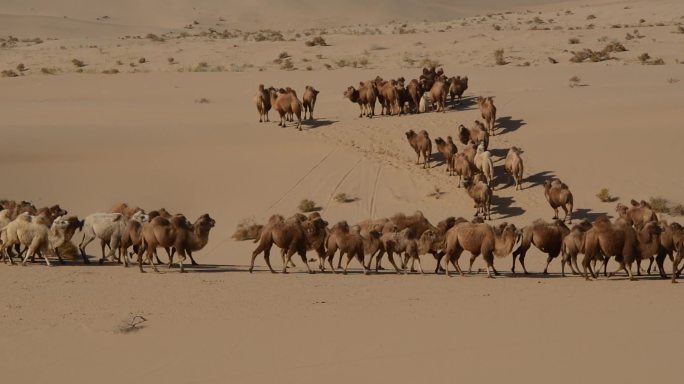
{"x":604,"y":196}
{"x":153,"y":37}
{"x":142,"y":60}
{"x":499,"y":57}
{"x":575,"y":81}
{"x":588,"y":54}
{"x":552,"y":60}
{"x":679,"y":29}
{"x":133,"y":324}
{"x":48,"y":71}
{"x":9,"y":73}
{"x":318,"y":40}
{"x":112,"y":71}
{"x":672,"y":80}
{"x":171,"y":60}
{"x":287,"y":65}
{"x":306,"y":205}
{"x":21,"y":67}
{"x":645,"y":58}
{"x":615,"y":46}
{"x":436,"y":192}
{"x":202,"y":66}
{"x":574,"y":40}
{"x":247,"y":229}
{"x":660,"y":204}
{"x":591,"y":17}
{"x":78,"y":63}
{"x":202,"y":100}
{"x":344,"y":198}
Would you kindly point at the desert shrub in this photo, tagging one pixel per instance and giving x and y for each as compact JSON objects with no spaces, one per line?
{"x":142,"y":60}
{"x":615,"y":46}
{"x":552,"y":60}
{"x":78,"y":63}
{"x":591,"y":17}
{"x":344,"y":198}
{"x":171,"y":60}
{"x":680,"y":29}
{"x":588,"y":54}
{"x":658,"y":61}
{"x":48,"y":71}
{"x":287,"y":65}
{"x":318,"y":40}
{"x":202,"y":67}
{"x":436,"y":192}
{"x":153,"y":37}
{"x":644,"y":58}
{"x":21,"y":67}
{"x":604,"y":196}
{"x":9,"y":73}
{"x":202,"y":100}
{"x":659,"y":204}
{"x":247,"y":230}
{"x":306,"y":205}
{"x":574,"y":40}
{"x":575,"y":81}
{"x":112,"y":71}
{"x":499,"y":57}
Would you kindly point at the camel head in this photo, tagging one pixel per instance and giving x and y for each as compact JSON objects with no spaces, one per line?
{"x":352,"y":94}
{"x":141,"y":217}
{"x":60,"y":223}
{"x":410,"y":134}
{"x":621,"y":209}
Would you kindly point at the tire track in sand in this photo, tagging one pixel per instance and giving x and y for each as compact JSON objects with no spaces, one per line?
{"x":301,"y":179}
{"x":342,"y":179}
{"x":375,"y":191}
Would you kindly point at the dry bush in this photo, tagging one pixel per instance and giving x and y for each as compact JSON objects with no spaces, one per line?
{"x":9,"y":73}
{"x":202,"y":67}
{"x":575,"y":81}
{"x":78,"y":63}
{"x":306,"y":205}
{"x":645,"y":58}
{"x":436,"y":193}
{"x":247,"y":229}
{"x":153,"y":37}
{"x":658,"y":61}
{"x":112,"y":71}
{"x":496,"y":27}
{"x":588,"y":54}
{"x":615,"y":46}
{"x":677,"y":210}
{"x":142,"y":60}
{"x":591,"y":17}
{"x":171,"y":60}
{"x":202,"y":100}
{"x":604,"y":196}
{"x":672,"y":80}
{"x":318,"y":40}
{"x":133,"y":324}
{"x":287,"y":65}
{"x":21,"y":67}
{"x":499,"y":57}
{"x":344,"y":198}
{"x":680,"y":29}
{"x":659,"y":204}
{"x":574,"y":40}
{"x":48,"y":71}
{"x":552,"y":60}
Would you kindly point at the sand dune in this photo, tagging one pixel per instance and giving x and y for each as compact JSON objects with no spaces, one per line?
{"x":88,"y":140}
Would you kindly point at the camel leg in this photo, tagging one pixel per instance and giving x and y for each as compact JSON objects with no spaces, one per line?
{"x":346,"y":264}
{"x":555,"y":213}
{"x":660,"y":259}
{"x":267,"y":258}
{"x":390,"y":256}
{"x":489,"y":259}
{"x":454,"y":261}
{"x":620,"y":268}
{"x":302,"y":253}
{"x":84,"y":243}
{"x":378,"y":259}
{"x":548,"y":262}
{"x":290,"y":252}
{"x":675,"y":267}
{"x":472,"y":260}
{"x":140,"y":259}
{"x":420,"y":267}
{"x":522,"y":262}
{"x":586,"y":266}
{"x":151,"y":260}
{"x":563,"y":261}
{"x":192,"y":261}
{"x":330,"y":257}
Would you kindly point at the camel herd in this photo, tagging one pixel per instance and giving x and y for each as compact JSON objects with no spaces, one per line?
{"x":286,"y":103}
{"x":634,"y":236}
{"x":29,"y":231}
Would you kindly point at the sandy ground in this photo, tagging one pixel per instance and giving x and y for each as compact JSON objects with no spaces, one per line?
{"x":90,"y":140}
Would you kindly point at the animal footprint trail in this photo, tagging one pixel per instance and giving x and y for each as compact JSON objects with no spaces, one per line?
{"x":371,"y":210}
{"x":342,"y":180}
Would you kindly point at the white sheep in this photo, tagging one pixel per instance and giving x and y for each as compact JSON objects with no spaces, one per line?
{"x":109,"y":228}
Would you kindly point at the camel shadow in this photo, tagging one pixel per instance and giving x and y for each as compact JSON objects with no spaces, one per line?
{"x":507,"y":124}
{"x":466,"y":104}
{"x":586,"y":214}
{"x":504,"y":207}
{"x":500,"y":153}
{"x":317,"y":123}
{"x":537,"y":179}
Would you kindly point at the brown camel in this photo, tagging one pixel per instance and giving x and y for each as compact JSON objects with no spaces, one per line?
{"x":125,"y":210}
{"x":438,"y":93}
{"x":514,"y":167}
{"x":262,"y":99}
{"x":481,"y":193}
{"x":421,"y":143}
{"x":573,"y":245}
{"x":479,"y":239}
{"x":309,"y":100}
{"x":286,"y":102}
{"x":388,"y":97}
{"x":287,"y":235}
{"x":365,"y":96}
{"x":463,"y":168}
{"x":638,"y":214}
{"x":670,"y":240}
{"x":415,"y":92}
{"x":547,"y":237}
{"x":457,"y":85}
{"x":161,"y":232}
{"x":488,"y":111}
{"x":348,"y":242}
{"x":476,"y":134}
{"x":448,"y":150}
{"x":558,"y":195}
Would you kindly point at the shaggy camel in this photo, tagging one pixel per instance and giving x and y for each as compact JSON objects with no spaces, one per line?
{"x":109,"y":228}
{"x":365,"y":96}
{"x":463,"y":168}
{"x":424,"y":103}
{"x":638,"y":214}
{"x":488,"y":111}
{"x":457,"y":85}
{"x":477,"y":134}
{"x":287,"y":235}
{"x":558,"y":195}
{"x":132,"y":236}
{"x":481,"y":194}
{"x":309,"y":100}
{"x":404,"y":97}
{"x":10,"y":236}
{"x":483,"y":163}
{"x":421,"y":143}
{"x":514,"y":167}
{"x":415,"y":95}
{"x":573,"y":245}
{"x":448,"y":150}
{"x":38,"y":238}
{"x":413,"y":249}
{"x":438,"y":94}
{"x":192,"y":240}
{"x":262,"y":99}
{"x":547,"y":237}
{"x":315,"y":230}
{"x":162,"y":232}
{"x":606,"y":239}
{"x":388,"y":97}
{"x":670,"y":241}
{"x":348,"y":242}
{"x":479,"y":239}
{"x":286,"y":102}
{"x":125,"y":210}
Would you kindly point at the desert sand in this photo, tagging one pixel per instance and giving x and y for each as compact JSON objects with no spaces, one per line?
{"x":88,"y":140}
